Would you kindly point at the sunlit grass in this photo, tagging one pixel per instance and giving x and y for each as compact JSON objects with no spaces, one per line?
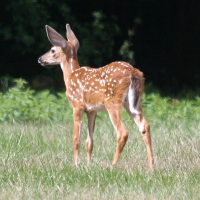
{"x":36,"y":162}
{"x":36,"y":151}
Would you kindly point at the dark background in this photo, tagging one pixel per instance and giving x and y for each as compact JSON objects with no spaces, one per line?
{"x":163,"y":35}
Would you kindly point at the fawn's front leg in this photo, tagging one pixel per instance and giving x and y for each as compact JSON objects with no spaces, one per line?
{"x":77,"y":115}
{"x":89,"y":142}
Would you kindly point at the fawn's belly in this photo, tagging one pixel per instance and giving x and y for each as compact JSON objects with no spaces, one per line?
{"x":96,"y":108}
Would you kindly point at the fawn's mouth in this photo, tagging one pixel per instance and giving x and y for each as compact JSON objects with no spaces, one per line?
{"x":43,"y":64}
{"x":46,"y":64}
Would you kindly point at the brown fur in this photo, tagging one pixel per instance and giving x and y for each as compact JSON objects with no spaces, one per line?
{"x":92,"y":90}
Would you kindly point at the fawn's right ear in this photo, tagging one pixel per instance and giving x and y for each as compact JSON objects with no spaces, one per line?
{"x":71,"y":37}
{"x":55,"y":38}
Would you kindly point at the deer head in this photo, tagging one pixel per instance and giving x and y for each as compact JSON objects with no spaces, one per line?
{"x":62,"y":50}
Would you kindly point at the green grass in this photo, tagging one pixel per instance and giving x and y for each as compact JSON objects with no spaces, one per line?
{"x":36,"y":162}
{"x":36,"y":150}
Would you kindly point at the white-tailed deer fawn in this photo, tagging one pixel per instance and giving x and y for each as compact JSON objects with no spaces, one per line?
{"x":92,"y":90}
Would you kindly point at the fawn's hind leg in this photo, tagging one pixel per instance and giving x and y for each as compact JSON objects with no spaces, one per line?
{"x":122,"y":133}
{"x":144,"y":129}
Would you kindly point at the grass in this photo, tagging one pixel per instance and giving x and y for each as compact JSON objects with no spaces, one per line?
{"x":36,"y":162}
{"x":36,"y":151}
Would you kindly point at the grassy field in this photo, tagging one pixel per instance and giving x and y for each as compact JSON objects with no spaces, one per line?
{"x":36,"y":162}
{"x":36,"y":151}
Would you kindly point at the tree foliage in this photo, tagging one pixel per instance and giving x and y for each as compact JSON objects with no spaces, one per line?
{"x":161,"y":36}
{"x":24,"y":34}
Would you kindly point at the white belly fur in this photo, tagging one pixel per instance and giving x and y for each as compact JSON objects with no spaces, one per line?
{"x":96,"y":108}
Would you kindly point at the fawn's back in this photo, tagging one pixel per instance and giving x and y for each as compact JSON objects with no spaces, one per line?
{"x":92,"y":88}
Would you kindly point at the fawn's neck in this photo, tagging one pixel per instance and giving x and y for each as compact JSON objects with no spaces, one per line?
{"x":69,"y":65}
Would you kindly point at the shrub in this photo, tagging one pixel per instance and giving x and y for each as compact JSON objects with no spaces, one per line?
{"x":21,"y":103}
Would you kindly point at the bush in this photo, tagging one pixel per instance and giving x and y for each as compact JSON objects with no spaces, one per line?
{"x":21,"y":103}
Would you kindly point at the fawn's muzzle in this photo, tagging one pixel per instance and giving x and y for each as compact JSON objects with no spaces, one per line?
{"x":43,"y":63}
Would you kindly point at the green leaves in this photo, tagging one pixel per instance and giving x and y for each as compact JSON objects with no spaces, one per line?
{"x":23,"y":104}
{"x":165,"y":108}
{"x":97,"y":40}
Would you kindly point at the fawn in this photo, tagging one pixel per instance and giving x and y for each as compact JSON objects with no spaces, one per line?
{"x":92,"y":90}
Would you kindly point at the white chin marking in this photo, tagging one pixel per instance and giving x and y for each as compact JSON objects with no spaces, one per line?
{"x":141,"y":128}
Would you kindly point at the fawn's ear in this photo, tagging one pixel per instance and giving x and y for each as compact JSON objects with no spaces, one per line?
{"x":55,"y":38}
{"x":71,"y":37}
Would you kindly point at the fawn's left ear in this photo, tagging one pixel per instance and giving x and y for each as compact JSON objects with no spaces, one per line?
{"x":71,"y":37}
{"x":55,"y":38}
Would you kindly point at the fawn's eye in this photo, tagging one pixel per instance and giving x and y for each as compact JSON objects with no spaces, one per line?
{"x":52,"y":51}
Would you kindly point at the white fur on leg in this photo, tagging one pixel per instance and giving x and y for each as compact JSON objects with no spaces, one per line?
{"x":141,"y":128}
